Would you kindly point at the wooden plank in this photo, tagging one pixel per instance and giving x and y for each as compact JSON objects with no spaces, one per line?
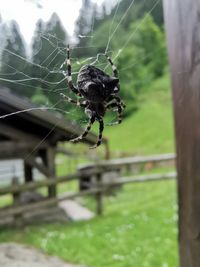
{"x":141,"y":179}
{"x":134,"y":160}
{"x":182,"y":19}
{"x":48,"y":202}
{"x":94,"y":191}
{"x":19,"y":135}
{"x":117,"y":163}
{"x":37,"y":184}
{"x":17,"y":149}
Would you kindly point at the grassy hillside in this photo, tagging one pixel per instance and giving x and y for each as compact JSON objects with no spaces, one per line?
{"x":150,"y":129}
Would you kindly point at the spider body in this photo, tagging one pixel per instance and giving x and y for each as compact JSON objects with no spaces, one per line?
{"x":95,"y":85}
{"x":99,"y":91}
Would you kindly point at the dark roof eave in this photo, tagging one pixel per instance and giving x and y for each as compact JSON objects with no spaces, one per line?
{"x":44,"y":116}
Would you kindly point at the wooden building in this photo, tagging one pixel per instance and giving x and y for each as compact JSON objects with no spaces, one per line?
{"x":33,"y":135}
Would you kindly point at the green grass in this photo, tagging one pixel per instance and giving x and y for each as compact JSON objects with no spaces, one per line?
{"x":150,"y":129}
{"x":138,"y":228}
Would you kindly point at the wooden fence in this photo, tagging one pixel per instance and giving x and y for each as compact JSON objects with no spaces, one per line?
{"x":89,"y":171}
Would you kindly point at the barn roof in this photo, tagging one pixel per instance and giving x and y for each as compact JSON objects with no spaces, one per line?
{"x":41,"y":123}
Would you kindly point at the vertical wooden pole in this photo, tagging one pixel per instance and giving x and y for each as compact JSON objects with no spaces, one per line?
{"x":49,"y":160}
{"x":182,"y":18}
{"x":99,"y":195}
{"x":28,"y":173}
{"x":16,"y":195}
{"x":18,"y":218}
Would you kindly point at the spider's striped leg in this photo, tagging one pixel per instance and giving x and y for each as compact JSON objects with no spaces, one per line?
{"x":119,"y":112}
{"x":118,"y":100}
{"x":87,"y":129}
{"x":101,"y":127}
{"x":75,"y":102}
{"x":114,"y":68}
{"x":69,"y":75}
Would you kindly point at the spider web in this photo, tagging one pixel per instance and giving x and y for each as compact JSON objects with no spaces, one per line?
{"x":54,"y":88}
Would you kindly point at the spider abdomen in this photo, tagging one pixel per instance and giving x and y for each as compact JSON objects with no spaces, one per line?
{"x":95,"y":85}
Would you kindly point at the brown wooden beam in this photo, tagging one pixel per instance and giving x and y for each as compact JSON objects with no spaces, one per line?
{"x":19,"y":135}
{"x":182,"y":18}
{"x":17,"y":149}
{"x":37,"y":184}
{"x":28,"y":173}
{"x":49,"y":162}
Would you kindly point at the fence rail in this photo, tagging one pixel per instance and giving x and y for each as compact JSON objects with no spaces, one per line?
{"x":116,"y":164}
{"x":98,"y":189}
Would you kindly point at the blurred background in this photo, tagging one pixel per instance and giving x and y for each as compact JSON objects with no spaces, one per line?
{"x":138,"y":224}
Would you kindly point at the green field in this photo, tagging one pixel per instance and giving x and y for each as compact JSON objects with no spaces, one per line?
{"x":150,"y":129}
{"x":138,"y":227}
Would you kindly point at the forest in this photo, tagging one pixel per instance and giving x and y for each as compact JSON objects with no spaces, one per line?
{"x":131,"y":33}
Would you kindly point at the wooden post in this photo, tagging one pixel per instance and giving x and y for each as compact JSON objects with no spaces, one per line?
{"x":18,"y":218}
{"x":49,"y":161}
{"x":182,"y":19}
{"x":99,"y":195}
{"x":16,"y":195}
{"x":28,"y":173}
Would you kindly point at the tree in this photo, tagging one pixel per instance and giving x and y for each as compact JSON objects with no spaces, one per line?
{"x":48,"y":54}
{"x":142,"y":60}
{"x":136,"y":10}
{"x":83,"y":27}
{"x":48,"y":42}
{"x":151,"y":39}
{"x":13,"y":59}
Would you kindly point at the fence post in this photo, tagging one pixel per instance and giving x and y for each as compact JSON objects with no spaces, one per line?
{"x":99,"y":194}
{"x":182,"y":19}
{"x":16,"y":201}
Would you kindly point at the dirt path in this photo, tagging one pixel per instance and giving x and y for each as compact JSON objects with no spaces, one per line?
{"x":16,"y":255}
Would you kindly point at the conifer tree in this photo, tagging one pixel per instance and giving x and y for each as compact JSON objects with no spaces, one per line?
{"x":13,"y":59}
{"x":48,"y":53}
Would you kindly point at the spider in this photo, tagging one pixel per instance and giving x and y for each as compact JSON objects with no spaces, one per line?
{"x":99,"y":92}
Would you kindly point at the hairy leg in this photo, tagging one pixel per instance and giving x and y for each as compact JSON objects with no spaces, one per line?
{"x":69,"y":75}
{"x":119,"y":112}
{"x":87,"y":129}
{"x":114,"y":68}
{"x":117,"y":99}
{"x":75,"y":102}
{"x":101,"y":127}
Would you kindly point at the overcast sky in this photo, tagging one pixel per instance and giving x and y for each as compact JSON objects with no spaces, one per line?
{"x":27,"y":12}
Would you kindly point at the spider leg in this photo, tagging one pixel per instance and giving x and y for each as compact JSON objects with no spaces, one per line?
{"x":101,"y":127}
{"x":119,"y":104}
{"x":119,"y":112}
{"x":114,"y":68}
{"x":87,"y":129}
{"x":69,"y":75}
{"x":117,"y":99}
{"x":75,"y":102}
